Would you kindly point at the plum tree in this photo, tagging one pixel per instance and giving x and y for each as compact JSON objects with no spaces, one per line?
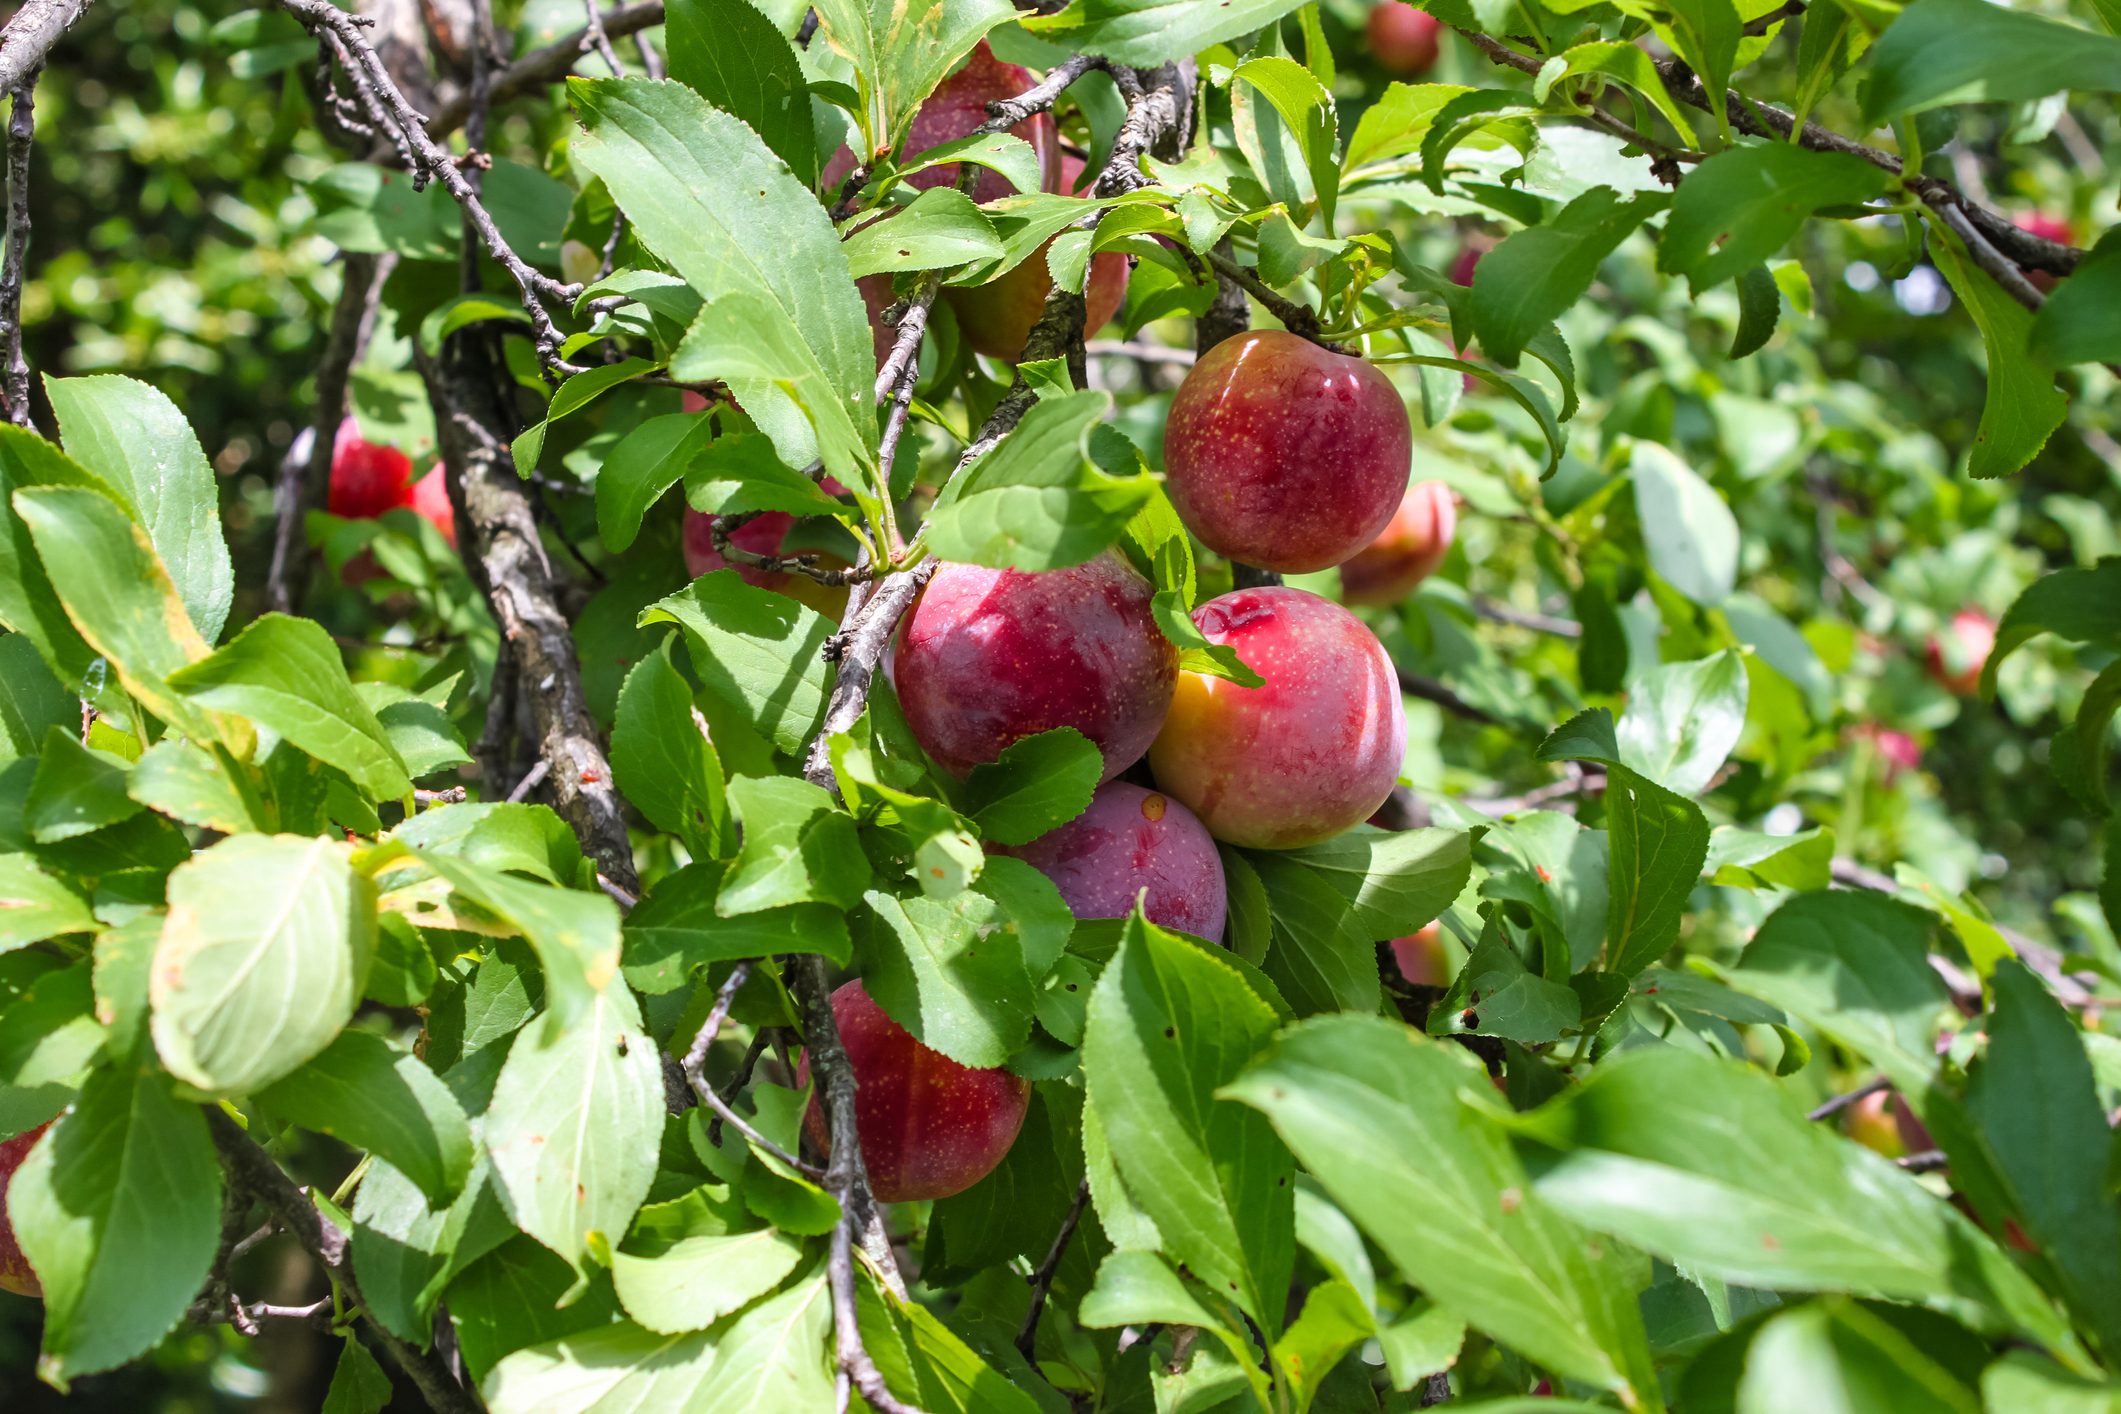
{"x":1407,"y":551}
{"x":1955,"y":654}
{"x":990,"y":656}
{"x":929,"y":1127}
{"x":996,"y":317}
{"x":1285,"y":455}
{"x":1305,"y":755}
{"x":15,"y":1273}
{"x":1135,"y":843}
{"x":1403,"y":38}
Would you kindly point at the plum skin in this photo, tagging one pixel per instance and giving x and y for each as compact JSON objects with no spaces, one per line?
{"x":15,"y":1272}
{"x":1407,"y":551}
{"x":1312,"y":751}
{"x":929,"y":1127}
{"x":988,"y":657}
{"x":1130,"y":840}
{"x":1956,"y":654}
{"x":996,"y":317}
{"x":1284,"y":455}
{"x":1404,"y":39}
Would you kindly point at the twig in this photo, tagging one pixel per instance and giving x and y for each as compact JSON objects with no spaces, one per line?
{"x":1841,"y":1102}
{"x":694,"y":1067}
{"x":1576,"y":782}
{"x":1926,"y":1161}
{"x":31,"y":32}
{"x":760,"y":1042}
{"x":619,"y":894}
{"x":864,"y":635}
{"x":426,"y":160}
{"x":1786,"y":11}
{"x":808,"y":566}
{"x":599,"y":40}
{"x":1298,"y":319}
{"x":1502,"y":613}
{"x":253,"y":1168}
{"x":1430,"y":690}
{"x":21,"y":129}
{"x":548,"y":65}
{"x":2029,"y":251}
{"x":305,"y":472}
{"x":532,"y":779}
{"x":1141,"y":353}
{"x":1841,"y":574}
{"x":1042,"y":1279}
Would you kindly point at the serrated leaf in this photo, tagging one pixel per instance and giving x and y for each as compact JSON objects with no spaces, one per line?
{"x":35,"y":906}
{"x":575,"y":933}
{"x":699,"y":1280}
{"x":677,"y":929}
{"x":32,"y":701}
{"x":1759,"y":307}
{"x":647,"y":461}
{"x":607,"y":1368}
{"x":1037,"y":784}
{"x":366,"y":1093}
{"x":949,"y":973}
{"x":1682,"y":720}
{"x":574,"y":1125}
{"x":662,"y":761}
{"x":286,"y":675}
{"x":1378,"y":1117}
{"x":2080,"y":604}
{"x":1657,"y":842}
{"x":1743,"y":204}
{"x":940,"y":227}
{"x":134,"y":437}
{"x":2023,"y":406}
{"x":756,"y":649}
{"x":799,"y":847}
{"x":186,"y":784}
{"x":731,"y":54}
{"x":1169,"y":1024}
{"x":1523,"y":284}
{"x":1965,"y":51}
{"x":118,"y":1208}
{"x":2083,"y":325}
{"x":262,"y":959}
{"x":76,"y":790}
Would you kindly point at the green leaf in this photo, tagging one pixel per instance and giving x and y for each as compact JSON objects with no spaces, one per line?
{"x":1855,"y":964}
{"x":756,"y":649}
{"x":1738,"y":1184}
{"x":367,"y":1093}
{"x":605,"y":1368}
{"x":708,"y":197}
{"x":1658,"y":842}
{"x":574,"y":1124}
{"x":1152,"y":32}
{"x":900,"y":51}
{"x":1522,"y":285}
{"x":1306,"y":106}
{"x":799,"y":847}
{"x":32,"y":701}
{"x":1136,"y":1288}
{"x":406,"y":1252}
{"x":28,"y":603}
{"x":2023,"y":407}
{"x":194,"y":787}
{"x":662,"y":761}
{"x":133,"y":436}
{"x":676,"y":930}
{"x":1039,"y":501}
{"x":2082,"y":605}
{"x":118,"y":1208}
{"x":575,"y":933}
{"x":76,"y":789}
{"x":579,"y":391}
{"x":2083,"y":325}
{"x":1742,"y":205}
{"x":286,"y":675}
{"x":463,"y":311}
{"x":1965,"y":51}
{"x":1759,"y":307}
{"x":52,"y":1036}
{"x":1682,"y":720}
{"x":1334,"y":1321}
{"x":1169,"y":1024}
{"x":262,"y":959}
{"x":942,"y":969}
{"x":35,"y":906}
{"x":699,"y":1280}
{"x":731,"y":54}
{"x":1393,"y":882}
{"x":1690,"y":534}
{"x":940,"y":227}
{"x":117,"y":594}
{"x":1397,"y":122}
{"x":1037,"y":784}
{"x":1588,"y":736}
{"x":2023,"y":1383}
{"x":926,"y":1360}
{"x":774,"y":1356}
{"x":1495,"y":994}
{"x":1837,"y":1357}
{"x":2034,"y":1101}
{"x":359,"y":1385}
{"x":1005,"y":153}
{"x":1381,"y":1118}
{"x":647,"y":461}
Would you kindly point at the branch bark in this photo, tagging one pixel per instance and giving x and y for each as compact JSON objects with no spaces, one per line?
{"x":21,"y":130}
{"x":30,"y":34}
{"x":305,"y":472}
{"x":251,"y":1167}
{"x":548,"y":65}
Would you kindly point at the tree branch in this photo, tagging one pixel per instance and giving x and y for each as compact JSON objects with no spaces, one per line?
{"x":1430,"y":690}
{"x":21,"y":129}
{"x":250,"y":1166}
{"x":1042,"y":1279}
{"x":305,"y":471}
{"x":30,"y":34}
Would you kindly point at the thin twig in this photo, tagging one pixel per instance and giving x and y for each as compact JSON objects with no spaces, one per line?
{"x":250,"y":1166}
{"x":532,"y":779}
{"x":1926,"y":1161}
{"x":1298,"y":319}
{"x":1042,"y":1279}
{"x":1841,"y":1102}
{"x":599,"y":40}
{"x":1430,"y":690}
{"x":1140,"y":352}
{"x":1575,"y":782}
{"x":694,"y":1067}
{"x":1502,"y":613}
{"x":548,"y":65}
{"x":1786,"y":11}
{"x":21,"y":129}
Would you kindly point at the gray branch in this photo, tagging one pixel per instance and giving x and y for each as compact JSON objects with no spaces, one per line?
{"x":30,"y":34}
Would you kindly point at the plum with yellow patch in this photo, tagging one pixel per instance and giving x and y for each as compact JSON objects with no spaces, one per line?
{"x":1135,"y":843}
{"x":1313,"y":750}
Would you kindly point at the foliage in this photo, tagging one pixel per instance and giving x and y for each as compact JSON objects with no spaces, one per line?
{"x":1739,"y":421}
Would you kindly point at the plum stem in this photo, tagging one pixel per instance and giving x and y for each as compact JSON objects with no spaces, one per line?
{"x":1042,"y":1279}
